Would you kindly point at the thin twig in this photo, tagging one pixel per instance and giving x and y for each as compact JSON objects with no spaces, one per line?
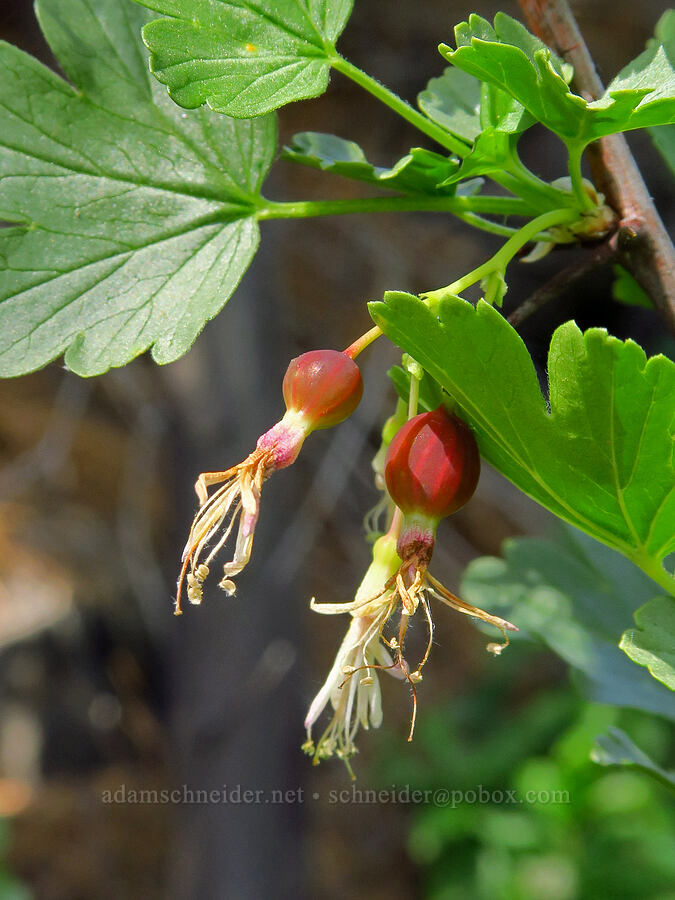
{"x":554,"y":287}
{"x":643,"y":243}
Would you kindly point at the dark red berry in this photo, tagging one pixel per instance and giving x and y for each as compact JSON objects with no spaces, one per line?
{"x":325,"y":386}
{"x":432,"y":465}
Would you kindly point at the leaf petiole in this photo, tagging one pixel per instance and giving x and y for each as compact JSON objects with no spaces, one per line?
{"x":301,"y":209}
{"x":393,"y":101}
{"x":467,"y":209}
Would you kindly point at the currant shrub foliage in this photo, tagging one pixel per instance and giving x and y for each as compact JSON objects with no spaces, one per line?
{"x":133,"y":221}
{"x":133,"y":213}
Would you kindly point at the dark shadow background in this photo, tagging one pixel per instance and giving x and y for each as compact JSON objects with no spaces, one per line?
{"x":101,"y":687}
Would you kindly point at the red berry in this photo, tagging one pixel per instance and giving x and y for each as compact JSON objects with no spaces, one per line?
{"x":325,"y":386}
{"x":432,"y":465}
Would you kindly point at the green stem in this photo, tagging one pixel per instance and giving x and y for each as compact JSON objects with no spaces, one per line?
{"x":502,"y":258}
{"x":487,"y":225}
{"x":301,"y":209}
{"x":575,"y":152}
{"x":393,"y":101}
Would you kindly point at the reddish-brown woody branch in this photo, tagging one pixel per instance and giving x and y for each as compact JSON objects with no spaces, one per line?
{"x":566,"y":278}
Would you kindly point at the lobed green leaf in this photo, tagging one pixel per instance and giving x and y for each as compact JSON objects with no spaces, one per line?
{"x":492,"y":152}
{"x":600,"y":458}
{"x":453,"y":101}
{"x":512,"y":60}
{"x":134,"y":220}
{"x":616,"y":749}
{"x":418,"y":172}
{"x":576,"y":596}
{"x":465,"y":106}
{"x":244,"y":57}
{"x":489,"y":119}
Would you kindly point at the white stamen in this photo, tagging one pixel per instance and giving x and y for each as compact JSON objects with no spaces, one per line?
{"x":228,"y":586}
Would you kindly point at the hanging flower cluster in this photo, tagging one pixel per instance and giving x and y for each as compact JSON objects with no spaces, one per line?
{"x":431,"y":469}
{"x":321,"y":389}
{"x":427,"y":469}
{"x":352,"y":687}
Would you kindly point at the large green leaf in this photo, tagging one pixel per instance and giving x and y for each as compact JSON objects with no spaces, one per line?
{"x":506,"y":56}
{"x":601,"y":458}
{"x":652,"y":643}
{"x":418,"y":172}
{"x":464,"y":106}
{"x":134,"y":220}
{"x":480,"y":113}
{"x":616,"y":749}
{"x":577,"y":597}
{"x":244,"y":57}
{"x":500,"y":111}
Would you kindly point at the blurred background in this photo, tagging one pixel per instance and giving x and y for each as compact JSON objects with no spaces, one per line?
{"x":103,"y":690}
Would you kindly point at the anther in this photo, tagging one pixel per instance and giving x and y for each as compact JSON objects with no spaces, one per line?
{"x":194,"y":595}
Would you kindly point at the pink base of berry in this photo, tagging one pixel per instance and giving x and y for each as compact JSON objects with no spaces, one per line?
{"x":284,"y":440}
{"x":417,"y":538}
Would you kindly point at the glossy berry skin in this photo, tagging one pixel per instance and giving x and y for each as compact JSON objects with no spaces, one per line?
{"x":432,"y":465}
{"x":324,"y":386}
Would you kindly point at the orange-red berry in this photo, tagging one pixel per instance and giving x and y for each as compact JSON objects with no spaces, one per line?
{"x":325,"y":386}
